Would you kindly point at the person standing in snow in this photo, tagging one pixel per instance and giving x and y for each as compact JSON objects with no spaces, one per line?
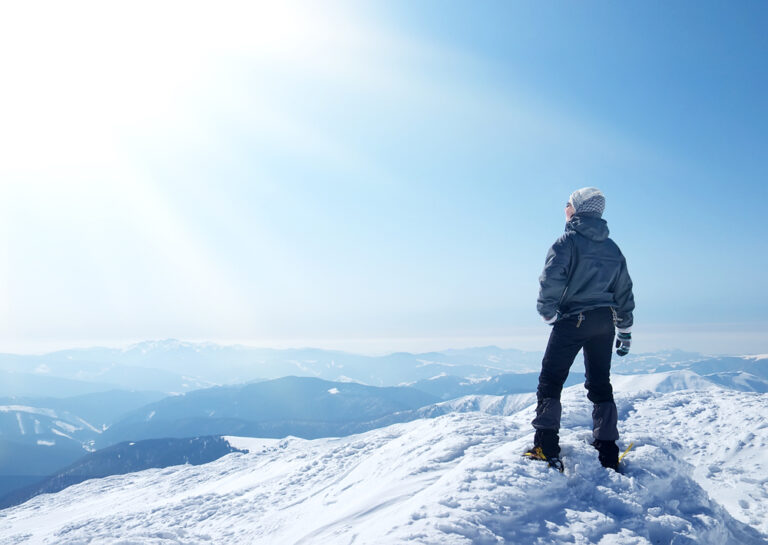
{"x":586,"y":295}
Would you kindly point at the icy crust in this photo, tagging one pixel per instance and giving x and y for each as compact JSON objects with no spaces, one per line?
{"x":455,"y":479}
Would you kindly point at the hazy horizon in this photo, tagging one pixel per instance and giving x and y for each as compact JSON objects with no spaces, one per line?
{"x":363,"y":347}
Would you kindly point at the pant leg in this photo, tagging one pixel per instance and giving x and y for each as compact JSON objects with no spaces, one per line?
{"x":598,"y":350}
{"x":564,"y":343}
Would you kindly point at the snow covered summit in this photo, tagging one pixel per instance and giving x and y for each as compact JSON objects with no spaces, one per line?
{"x":696,"y":475}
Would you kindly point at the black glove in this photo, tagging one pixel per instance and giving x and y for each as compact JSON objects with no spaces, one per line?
{"x":623,"y":341}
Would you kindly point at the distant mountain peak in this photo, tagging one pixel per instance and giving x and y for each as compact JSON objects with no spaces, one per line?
{"x":167,"y":345}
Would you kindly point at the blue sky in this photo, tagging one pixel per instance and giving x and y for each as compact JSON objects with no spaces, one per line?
{"x":377,"y":176}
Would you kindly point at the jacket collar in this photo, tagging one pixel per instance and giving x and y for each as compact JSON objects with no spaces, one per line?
{"x":591,"y":226}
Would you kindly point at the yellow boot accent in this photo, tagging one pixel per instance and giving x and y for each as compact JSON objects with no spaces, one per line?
{"x":625,"y":452}
{"x":536,"y":454}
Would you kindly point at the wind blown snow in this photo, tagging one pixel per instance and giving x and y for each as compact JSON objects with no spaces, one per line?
{"x":696,"y":475}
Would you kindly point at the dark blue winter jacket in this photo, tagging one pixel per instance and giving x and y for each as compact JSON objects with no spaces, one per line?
{"x":585,"y":270}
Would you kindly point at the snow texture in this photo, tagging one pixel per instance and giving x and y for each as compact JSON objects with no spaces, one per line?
{"x":697,"y":475}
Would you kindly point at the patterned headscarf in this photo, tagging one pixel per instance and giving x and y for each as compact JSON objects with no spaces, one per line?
{"x":588,"y":200}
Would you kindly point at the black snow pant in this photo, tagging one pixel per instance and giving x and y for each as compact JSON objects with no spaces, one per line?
{"x":592,"y":330}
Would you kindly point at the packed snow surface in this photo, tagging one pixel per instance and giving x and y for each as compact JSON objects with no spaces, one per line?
{"x":697,"y":475}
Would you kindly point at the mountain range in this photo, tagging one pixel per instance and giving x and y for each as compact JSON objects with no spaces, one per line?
{"x":173,"y":367}
{"x":301,"y":406}
{"x":41,"y":435}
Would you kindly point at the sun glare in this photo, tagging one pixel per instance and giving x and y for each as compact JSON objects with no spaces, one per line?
{"x":79,"y":78}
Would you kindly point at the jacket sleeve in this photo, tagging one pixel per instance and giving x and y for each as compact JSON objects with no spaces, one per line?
{"x":554,"y":278}
{"x":625,"y":300}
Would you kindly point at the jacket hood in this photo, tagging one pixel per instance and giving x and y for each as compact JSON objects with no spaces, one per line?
{"x":592,"y":227}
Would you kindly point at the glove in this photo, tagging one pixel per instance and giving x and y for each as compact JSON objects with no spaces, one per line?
{"x":623,"y":342}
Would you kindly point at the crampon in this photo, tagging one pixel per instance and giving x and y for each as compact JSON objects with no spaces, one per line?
{"x":537,"y":454}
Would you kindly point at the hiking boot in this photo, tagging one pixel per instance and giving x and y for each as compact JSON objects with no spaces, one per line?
{"x":549,"y":441}
{"x":546,"y":447}
{"x":607,"y":453}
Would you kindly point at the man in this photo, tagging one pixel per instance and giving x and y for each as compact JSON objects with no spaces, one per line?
{"x":585,"y":291}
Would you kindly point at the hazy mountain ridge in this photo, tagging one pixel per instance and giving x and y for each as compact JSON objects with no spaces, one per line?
{"x":36,"y":441}
{"x":175,"y":366}
{"x":99,"y":409}
{"x":41,"y":435}
{"x":301,"y":406}
{"x":447,"y":387}
{"x":181,"y":366}
{"x":700,"y":364}
{"x":15,"y":383}
{"x":125,"y":458}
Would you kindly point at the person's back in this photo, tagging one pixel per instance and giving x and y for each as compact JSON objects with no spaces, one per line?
{"x":585,"y":270}
{"x":585,"y":290}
